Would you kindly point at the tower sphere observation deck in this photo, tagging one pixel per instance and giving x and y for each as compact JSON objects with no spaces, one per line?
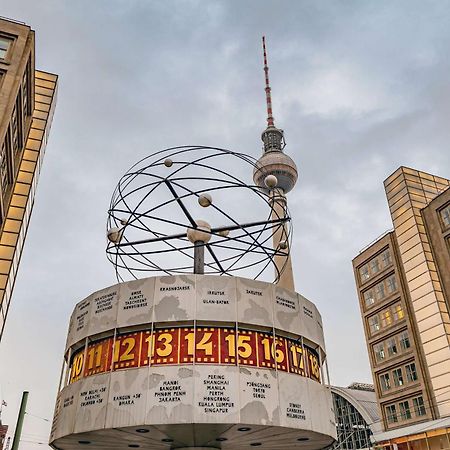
{"x":278,"y":164}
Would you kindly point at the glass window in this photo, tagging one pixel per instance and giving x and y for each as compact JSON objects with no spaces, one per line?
{"x":392,"y":347}
{"x":386,"y":318}
{"x":374,"y":323}
{"x":391,"y":284}
{"x":386,"y":258}
{"x":405,"y":412}
{"x":369,"y":298}
{"x":404,"y":341}
{"x":419,"y":407}
{"x":379,"y":351}
{"x":374,"y":266}
{"x":411,"y":373}
{"x":15,"y":131}
{"x":398,"y":312}
{"x":25,"y":93}
{"x":391,"y":414}
{"x":379,"y":291}
{"x":385,"y":382}
{"x":445,"y":214}
{"x":4,"y":46}
{"x":398,"y":377}
{"x":364,"y":272}
{"x":4,"y":177}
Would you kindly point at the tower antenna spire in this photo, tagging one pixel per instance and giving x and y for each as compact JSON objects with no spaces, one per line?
{"x":270,"y":121}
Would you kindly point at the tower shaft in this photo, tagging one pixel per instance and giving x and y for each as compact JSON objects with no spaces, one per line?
{"x":283,"y":264}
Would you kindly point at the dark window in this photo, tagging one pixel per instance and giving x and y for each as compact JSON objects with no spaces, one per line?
{"x":404,"y":341}
{"x":391,"y":414}
{"x":405,"y":412}
{"x":419,"y":407}
{"x":411,"y":373}
{"x":398,"y":377}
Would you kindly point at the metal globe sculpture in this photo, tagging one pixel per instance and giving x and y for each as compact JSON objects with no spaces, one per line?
{"x":185,"y":209}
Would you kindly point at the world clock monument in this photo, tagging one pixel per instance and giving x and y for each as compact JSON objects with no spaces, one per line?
{"x":203,"y":353}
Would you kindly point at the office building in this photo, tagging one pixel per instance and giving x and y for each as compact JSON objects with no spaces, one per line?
{"x":27,"y":102}
{"x":403,"y":282}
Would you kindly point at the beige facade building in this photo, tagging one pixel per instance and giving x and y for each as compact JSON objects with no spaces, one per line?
{"x":27,"y":101}
{"x":403,"y":282}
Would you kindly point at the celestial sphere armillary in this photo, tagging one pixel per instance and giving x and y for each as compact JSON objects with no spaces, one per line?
{"x":164,"y":201}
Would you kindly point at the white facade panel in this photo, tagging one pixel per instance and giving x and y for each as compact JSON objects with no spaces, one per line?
{"x":135,"y":305}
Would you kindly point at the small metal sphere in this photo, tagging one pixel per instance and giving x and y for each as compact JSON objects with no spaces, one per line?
{"x":200,"y":234}
{"x":271,"y":181}
{"x":115,"y":235}
{"x":168,"y":162}
{"x":205,"y":200}
{"x":224,"y":233}
{"x":283,"y":245}
{"x":123,"y":222}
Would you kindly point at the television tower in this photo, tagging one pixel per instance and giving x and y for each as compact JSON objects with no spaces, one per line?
{"x":277,"y":172}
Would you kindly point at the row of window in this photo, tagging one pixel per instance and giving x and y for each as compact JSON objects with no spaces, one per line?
{"x":392,"y":347}
{"x":15,"y":137}
{"x":375,"y":265}
{"x":385,"y":318}
{"x":404,"y":410}
{"x":398,"y":377}
{"x":380,"y":290}
{"x":445,"y":216}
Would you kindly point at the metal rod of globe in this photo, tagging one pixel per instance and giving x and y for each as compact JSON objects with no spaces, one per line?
{"x":213,"y":232}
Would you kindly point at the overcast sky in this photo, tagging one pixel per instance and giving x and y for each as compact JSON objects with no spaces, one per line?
{"x":360,"y":88}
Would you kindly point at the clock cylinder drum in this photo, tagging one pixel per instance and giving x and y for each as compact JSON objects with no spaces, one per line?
{"x":194,"y":361}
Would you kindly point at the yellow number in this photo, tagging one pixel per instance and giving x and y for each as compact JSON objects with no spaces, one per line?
{"x":297,"y":356}
{"x":190,"y":337}
{"x":270,"y":351}
{"x":127,"y":355}
{"x":95,"y":352}
{"x":116,"y":351}
{"x":130,"y":343}
{"x":231,"y":340}
{"x":151,"y":345}
{"x":279,"y":354}
{"x":205,"y":345}
{"x":266,"y":344}
{"x":244,"y":348}
{"x":167,"y":349}
{"x":91,"y":358}
{"x":77,"y":366}
{"x":98,"y":351}
{"x":315,"y":370}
